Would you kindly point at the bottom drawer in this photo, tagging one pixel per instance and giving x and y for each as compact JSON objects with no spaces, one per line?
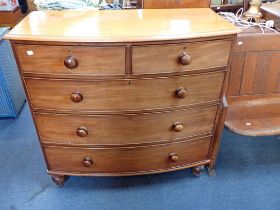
{"x":126,"y":159}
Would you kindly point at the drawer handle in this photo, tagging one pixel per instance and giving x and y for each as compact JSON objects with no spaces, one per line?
{"x":174,"y":157}
{"x":88,"y":162}
{"x":82,"y":132}
{"x":76,"y":97}
{"x":185,"y":59}
{"x":71,"y":62}
{"x":178,"y":127}
{"x":181,"y":92}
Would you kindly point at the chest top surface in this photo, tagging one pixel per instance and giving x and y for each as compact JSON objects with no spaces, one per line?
{"x":121,"y":26}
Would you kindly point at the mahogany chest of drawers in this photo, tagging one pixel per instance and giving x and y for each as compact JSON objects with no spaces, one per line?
{"x":109,"y":98}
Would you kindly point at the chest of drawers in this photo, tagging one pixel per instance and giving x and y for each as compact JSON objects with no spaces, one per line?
{"x":116,"y":100}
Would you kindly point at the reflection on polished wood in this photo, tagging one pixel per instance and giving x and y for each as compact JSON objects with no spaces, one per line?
{"x":156,"y":4}
{"x":127,"y":159}
{"x":121,"y":26}
{"x":105,"y":102}
{"x":256,"y":115}
{"x":124,"y":95}
{"x":145,"y":128}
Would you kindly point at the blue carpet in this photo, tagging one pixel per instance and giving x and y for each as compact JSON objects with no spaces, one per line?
{"x":247,"y":178}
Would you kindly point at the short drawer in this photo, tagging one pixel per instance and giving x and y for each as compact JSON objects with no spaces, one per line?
{"x":154,"y":59}
{"x":70,"y":60}
{"x":124,"y":129}
{"x":126,"y":160}
{"x":124,"y":95}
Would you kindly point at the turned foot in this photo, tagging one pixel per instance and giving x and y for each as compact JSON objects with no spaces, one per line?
{"x":197,"y":170}
{"x":59,"y":180}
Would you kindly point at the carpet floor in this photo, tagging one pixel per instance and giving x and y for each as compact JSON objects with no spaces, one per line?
{"x":247,"y":178}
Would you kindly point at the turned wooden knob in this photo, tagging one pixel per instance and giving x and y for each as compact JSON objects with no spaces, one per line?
{"x":181,"y":92}
{"x":173,"y":157}
{"x":71,"y":62}
{"x":185,"y":59}
{"x":82,"y":132}
{"x":76,"y":97}
{"x":88,"y":162}
{"x":178,"y":127}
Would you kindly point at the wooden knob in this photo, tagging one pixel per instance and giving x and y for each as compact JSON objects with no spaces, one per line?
{"x":173,"y":157}
{"x":185,"y":59}
{"x":88,"y":162}
{"x":82,"y":132}
{"x":71,"y":62}
{"x":76,"y":97}
{"x":178,"y":127}
{"x":181,"y":92}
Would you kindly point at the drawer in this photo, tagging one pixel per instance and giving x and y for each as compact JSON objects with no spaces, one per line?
{"x":126,"y":160}
{"x":69,"y":60}
{"x":124,"y":129}
{"x":154,"y":59}
{"x":124,"y":95}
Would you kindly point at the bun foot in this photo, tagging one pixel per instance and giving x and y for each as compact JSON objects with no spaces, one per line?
{"x":197,"y":170}
{"x":59,"y":180}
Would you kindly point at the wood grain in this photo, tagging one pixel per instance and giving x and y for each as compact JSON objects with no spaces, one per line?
{"x":90,"y":59}
{"x":256,"y":42}
{"x":257,"y":72}
{"x":120,"y":95}
{"x":128,"y":26}
{"x":219,"y":127}
{"x":100,"y":116}
{"x":250,"y":65}
{"x":257,"y":115}
{"x":203,"y":55}
{"x":130,"y":159}
{"x":236,"y":73}
{"x":261,"y":72}
{"x":155,"y":4}
{"x":10,"y":18}
{"x":124,"y":129}
{"x":273,"y":74}
{"x":254,"y":107}
{"x":255,"y":65}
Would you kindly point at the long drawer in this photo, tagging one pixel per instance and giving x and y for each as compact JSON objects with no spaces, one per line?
{"x":170,"y":58}
{"x":126,"y":160}
{"x":71,"y":60}
{"x":120,"y":95}
{"x":124,"y":129}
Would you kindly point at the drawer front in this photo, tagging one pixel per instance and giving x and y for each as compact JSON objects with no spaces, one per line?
{"x":71,"y":59}
{"x":154,"y":59}
{"x":119,"y":95}
{"x":125,"y":160}
{"x":124,"y":129}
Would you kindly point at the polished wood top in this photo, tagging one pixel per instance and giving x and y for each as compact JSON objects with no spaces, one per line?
{"x":121,"y":25}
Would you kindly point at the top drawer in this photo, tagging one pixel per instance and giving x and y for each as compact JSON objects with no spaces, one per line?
{"x":71,"y":59}
{"x":154,"y":59}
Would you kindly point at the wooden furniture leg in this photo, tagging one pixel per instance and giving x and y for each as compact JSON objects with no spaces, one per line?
{"x":59,"y":180}
{"x":197,"y":170}
{"x":217,"y":138}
